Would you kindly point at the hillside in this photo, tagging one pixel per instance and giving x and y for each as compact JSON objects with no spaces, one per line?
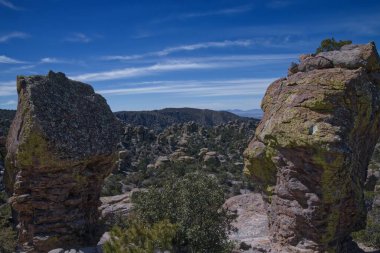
{"x":160,"y":119}
{"x":6,"y":117}
{"x":148,"y":156}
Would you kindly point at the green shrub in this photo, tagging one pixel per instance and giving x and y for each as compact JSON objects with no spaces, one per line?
{"x":112,"y":185}
{"x":7,"y":234}
{"x":370,"y":236}
{"x":331,"y":44}
{"x":140,"y":237}
{"x":193,"y":202}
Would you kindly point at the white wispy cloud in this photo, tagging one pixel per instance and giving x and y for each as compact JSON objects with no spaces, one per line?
{"x":7,"y":60}
{"x":140,"y":71}
{"x":17,"y":70}
{"x":10,"y":102}
{"x":226,"y":11}
{"x":277,"y":4}
{"x":170,"y":65}
{"x":78,"y":37}
{"x":218,"y":12}
{"x":13,"y":35}
{"x":198,"y":88}
{"x":9,"y":5}
{"x":7,"y":88}
{"x":49,"y":60}
{"x":189,"y":47}
{"x":259,"y":58}
{"x":55,"y":60}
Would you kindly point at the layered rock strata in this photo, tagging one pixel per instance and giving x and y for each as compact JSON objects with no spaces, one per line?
{"x":312,"y":148}
{"x":61,"y":146}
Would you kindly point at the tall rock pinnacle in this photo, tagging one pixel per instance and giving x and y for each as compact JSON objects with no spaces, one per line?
{"x":312,"y":148}
{"x":61,"y":146}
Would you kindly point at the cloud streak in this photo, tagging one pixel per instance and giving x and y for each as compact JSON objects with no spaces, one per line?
{"x":7,"y":88}
{"x":79,"y":38}
{"x":54,"y":60}
{"x":172,"y":65}
{"x":189,"y":47}
{"x":50,"y":60}
{"x":9,"y":5}
{"x":7,"y":60}
{"x":140,"y":71}
{"x":227,"y":11}
{"x":10,"y":102}
{"x":278,"y":4}
{"x":219,"y":12}
{"x":198,"y":88}
{"x":13,"y":35}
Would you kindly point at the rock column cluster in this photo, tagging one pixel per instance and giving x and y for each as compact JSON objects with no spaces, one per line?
{"x":61,"y":146}
{"x":312,"y":148}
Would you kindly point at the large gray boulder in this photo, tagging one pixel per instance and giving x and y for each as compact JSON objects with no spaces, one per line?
{"x":61,"y":146}
{"x":354,"y":56}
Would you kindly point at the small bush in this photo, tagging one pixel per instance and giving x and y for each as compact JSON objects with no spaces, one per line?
{"x":112,"y":185}
{"x":7,"y":234}
{"x":370,"y":236}
{"x":140,"y":237}
{"x":331,"y":44}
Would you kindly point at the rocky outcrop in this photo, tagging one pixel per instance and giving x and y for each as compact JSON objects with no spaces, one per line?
{"x":61,"y":146}
{"x":211,"y":159}
{"x":115,"y":207}
{"x":312,"y":148}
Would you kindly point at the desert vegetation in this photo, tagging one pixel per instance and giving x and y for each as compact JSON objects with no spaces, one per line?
{"x":185,"y":214}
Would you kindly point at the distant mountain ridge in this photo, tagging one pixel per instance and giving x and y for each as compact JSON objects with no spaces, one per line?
{"x":253,"y":113}
{"x":168,"y":116}
{"x":164,"y":117}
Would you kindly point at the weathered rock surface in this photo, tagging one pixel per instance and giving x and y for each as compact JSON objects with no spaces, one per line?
{"x":83,"y":250}
{"x":312,"y":148}
{"x":61,"y":146}
{"x":252,"y":221}
{"x":211,"y":159}
{"x":114,"y":207}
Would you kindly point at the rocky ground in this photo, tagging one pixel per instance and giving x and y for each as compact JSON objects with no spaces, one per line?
{"x":148,"y":155}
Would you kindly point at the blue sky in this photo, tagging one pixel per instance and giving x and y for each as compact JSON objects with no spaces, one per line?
{"x":143,"y":55}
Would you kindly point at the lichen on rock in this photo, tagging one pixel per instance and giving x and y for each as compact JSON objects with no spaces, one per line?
{"x":313,"y":146}
{"x":61,"y":146}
